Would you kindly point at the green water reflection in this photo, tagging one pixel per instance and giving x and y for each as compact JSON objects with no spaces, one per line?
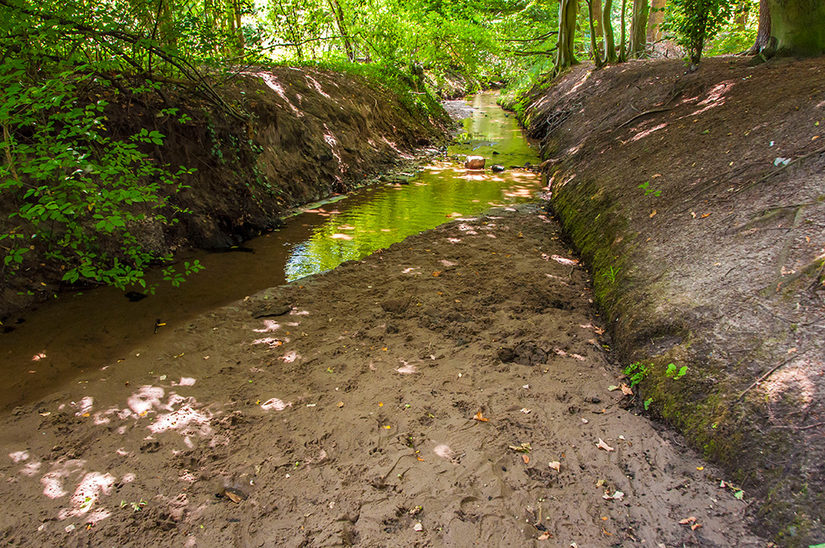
{"x":377,"y":218}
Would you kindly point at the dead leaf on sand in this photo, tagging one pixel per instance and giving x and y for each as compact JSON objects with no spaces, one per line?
{"x":602,"y":445}
{"x":521,"y":448}
{"x":526,"y":459}
{"x":479,"y":417}
{"x":687,"y":521}
{"x":626,"y":390}
{"x":544,"y":536}
{"x":555,"y":465}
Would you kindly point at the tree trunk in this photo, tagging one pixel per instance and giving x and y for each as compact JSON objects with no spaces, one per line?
{"x":567,"y":34}
{"x":657,"y":15}
{"x":798,"y":26}
{"x":594,"y":44}
{"x":598,"y":22}
{"x":638,"y":27}
{"x":622,"y":51}
{"x":342,"y":28}
{"x":609,"y":40}
{"x":763,"y":35}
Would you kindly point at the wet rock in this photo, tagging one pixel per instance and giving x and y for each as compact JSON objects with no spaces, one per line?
{"x":497,"y":168}
{"x":268,"y":310}
{"x":474,"y":162}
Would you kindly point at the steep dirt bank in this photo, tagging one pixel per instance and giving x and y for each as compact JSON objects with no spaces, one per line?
{"x":698,"y":203}
{"x":310,"y":133}
{"x":451,"y":390}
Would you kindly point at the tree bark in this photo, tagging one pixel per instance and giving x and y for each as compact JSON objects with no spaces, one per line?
{"x":594,"y":44}
{"x":763,"y":35}
{"x":657,"y":15}
{"x":342,"y":28}
{"x":622,"y":50}
{"x":638,"y":27}
{"x":609,"y":40}
{"x":565,"y":57}
{"x":798,"y":26}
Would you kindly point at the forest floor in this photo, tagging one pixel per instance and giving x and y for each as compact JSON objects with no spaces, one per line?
{"x":453,"y":389}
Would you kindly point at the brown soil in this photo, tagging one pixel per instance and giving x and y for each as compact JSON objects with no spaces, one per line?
{"x":339,"y":410}
{"x":722,"y":270}
{"x":310,"y":133}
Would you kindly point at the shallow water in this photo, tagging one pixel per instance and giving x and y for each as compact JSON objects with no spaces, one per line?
{"x":79,"y":332}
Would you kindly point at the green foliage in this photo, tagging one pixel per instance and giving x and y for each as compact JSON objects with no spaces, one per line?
{"x":649,"y":191}
{"x":693,"y":22}
{"x":610,"y":274}
{"x":79,"y":193}
{"x":636,"y":371}
{"x":672,"y":372}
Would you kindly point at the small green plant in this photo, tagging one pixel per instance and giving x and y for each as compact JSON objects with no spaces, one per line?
{"x":610,"y":274}
{"x":673,"y":374}
{"x":647,"y":403}
{"x":649,"y":191}
{"x":636,"y":371}
{"x":136,"y":506}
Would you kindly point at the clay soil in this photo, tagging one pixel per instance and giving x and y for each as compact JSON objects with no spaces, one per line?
{"x":415,"y":398}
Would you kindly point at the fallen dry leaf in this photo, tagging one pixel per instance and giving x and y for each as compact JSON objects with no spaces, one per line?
{"x":521,"y":448}
{"x":437,"y":273}
{"x":340,"y":404}
{"x":526,"y":459}
{"x":544,"y":536}
{"x":686,"y":521}
{"x":603,"y":445}
{"x":479,"y":417}
{"x":653,"y":214}
{"x":695,"y":526}
{"x":626,"y":390}
{"x":555,"y":465}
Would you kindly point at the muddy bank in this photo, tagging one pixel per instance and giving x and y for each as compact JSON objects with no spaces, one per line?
{"x":451,"y":390}
{"x":309,"y":133}
{"x":698,"y":204}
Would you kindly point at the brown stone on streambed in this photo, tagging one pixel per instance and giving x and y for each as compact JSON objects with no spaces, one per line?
{"x":474,"y":162}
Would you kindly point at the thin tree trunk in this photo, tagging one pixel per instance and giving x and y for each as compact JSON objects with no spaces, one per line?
{"x":594,"y":47}
{"x":609,"y":41}
{"x":342,"y":28}
{"x":638,"y":27}
{"x":598,"y":23}
{"x":622,"y":50}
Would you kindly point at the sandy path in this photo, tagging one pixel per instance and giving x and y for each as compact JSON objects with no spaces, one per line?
{"x":346,"y":417}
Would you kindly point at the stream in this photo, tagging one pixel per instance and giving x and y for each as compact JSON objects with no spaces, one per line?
{"x":81,"y":331}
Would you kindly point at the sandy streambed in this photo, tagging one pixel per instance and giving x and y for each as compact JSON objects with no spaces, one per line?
{"x":340,"y":410}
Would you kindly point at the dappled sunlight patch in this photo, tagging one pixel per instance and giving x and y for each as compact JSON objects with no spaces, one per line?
{"x":289,"y":357}
{"x":340,"y":236}
{"x":411,"y":270}
{"x":273,"y":84}
{"x":645,"y":133}
{"x":564,"y":260}
{"x":269,"y":326}
{"x":796,"y":379}
{"x":317,"y":86}
{"x":52,"y":481}
{"x":19,"y":456}
{"x":407,"y":368}
{"x":84,"y":406}
{"x":715,"y":97}
{"x":88,"y":492}
{"x":147,"y":397}
{"x":454,"y":240}
{"x":186,"y":420}
{"x":275,"y":404}
{"x":185,"y":381}
{"x":270,"y":341}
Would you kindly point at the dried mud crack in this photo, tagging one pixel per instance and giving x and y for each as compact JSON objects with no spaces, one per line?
{"x":346,"y":413}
